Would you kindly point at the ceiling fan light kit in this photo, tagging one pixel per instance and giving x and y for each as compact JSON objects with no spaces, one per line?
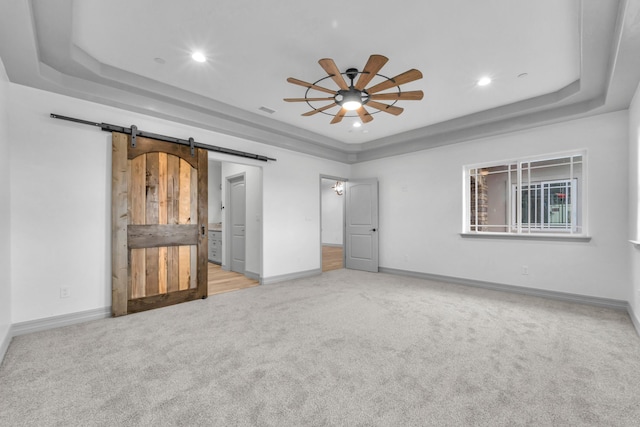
{"x":354,"y":96}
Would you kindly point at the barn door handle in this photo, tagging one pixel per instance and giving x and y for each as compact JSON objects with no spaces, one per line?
{"x":203,"y":230}
{"x":373,"y":229}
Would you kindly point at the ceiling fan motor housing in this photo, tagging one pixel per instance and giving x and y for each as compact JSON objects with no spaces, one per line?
{"x":344,"y":97}
{"x":353,"y":94}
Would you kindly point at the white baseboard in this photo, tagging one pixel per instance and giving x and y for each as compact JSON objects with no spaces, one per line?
{"x":5,"y":339}
{"x":59,"y":321}
{"x":634,"y":318}
{"x":291,"y":276}
{"x":560,"y":296}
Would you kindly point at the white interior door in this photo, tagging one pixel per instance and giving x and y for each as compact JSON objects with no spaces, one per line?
{"x":237,"y":199}
{"x":362,"y":224}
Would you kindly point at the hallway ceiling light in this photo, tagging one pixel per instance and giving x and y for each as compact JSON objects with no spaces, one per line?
{"x":338,"y":188}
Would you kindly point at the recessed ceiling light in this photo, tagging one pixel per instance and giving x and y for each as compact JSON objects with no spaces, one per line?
{"x":198,"y":57}
{"x":357,"y":124}
{"x":484,"y":81}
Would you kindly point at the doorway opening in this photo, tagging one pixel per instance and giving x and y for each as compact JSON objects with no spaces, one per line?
{"x":235,"y":226}
{"x":332,"y":211}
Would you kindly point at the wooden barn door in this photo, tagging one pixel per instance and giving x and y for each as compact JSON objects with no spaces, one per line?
{"x":159,"y":215}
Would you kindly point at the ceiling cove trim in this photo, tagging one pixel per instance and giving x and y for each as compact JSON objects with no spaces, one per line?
{"x":63,"y":68}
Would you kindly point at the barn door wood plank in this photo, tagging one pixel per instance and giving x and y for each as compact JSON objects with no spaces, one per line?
{"x":184,"y":217}
{"x":119,"y":199}
{"x":137,"y":216}
{"x":193,"y":268}
{"x":159,"y":235}
{"x":202,"y":214}
{"x":162,"y":300}
{"x":173,"y":208}
{"x":151,"y":218}
{"x":162,"y":220}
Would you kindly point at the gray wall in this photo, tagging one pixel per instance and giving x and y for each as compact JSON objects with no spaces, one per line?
{"x":215,"y":191}
{"x":421,"y":212}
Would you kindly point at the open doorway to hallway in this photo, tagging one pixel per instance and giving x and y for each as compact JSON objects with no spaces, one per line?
{"x":232,"y":214}
{"x":332,"y":222}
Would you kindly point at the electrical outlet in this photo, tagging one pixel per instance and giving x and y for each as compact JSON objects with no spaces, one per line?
{"x":525,"y":270}
{"x":65,"y":292}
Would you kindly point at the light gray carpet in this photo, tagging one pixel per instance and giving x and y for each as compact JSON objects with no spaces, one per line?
{"x":346,"y":348}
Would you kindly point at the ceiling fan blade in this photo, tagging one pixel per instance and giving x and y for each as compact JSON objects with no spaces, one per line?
{"x":339,"y":116}
{"x":311,"y":86}
{"x":365,"y":117}
{"x":406,"y":77}
{"x":307,"y":99}
{"x":374,"y":64}
{"x":318,"y":110}
{"x":412,"y":95}
{"x":396,"y":111}
{"x":332,"y":69}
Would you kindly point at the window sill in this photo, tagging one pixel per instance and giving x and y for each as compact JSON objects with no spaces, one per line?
{"x":537,"y":236}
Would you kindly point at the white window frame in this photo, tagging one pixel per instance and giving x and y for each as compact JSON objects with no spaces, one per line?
{"x":516,"y":229}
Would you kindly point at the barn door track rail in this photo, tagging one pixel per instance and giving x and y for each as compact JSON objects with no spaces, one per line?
{"x":134,"y":132}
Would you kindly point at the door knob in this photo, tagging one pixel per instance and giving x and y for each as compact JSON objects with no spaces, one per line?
{"x":373,"y":229}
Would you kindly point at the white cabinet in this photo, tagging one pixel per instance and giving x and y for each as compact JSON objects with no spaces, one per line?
{"x":215,"y":246}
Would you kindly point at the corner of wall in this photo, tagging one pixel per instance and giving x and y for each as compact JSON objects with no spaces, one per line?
{"x":291,"y":276}
{"x":5,"y":339}
{"x":5,"y":217}
{"x":635,"y":320}
{"x":633,"y":227}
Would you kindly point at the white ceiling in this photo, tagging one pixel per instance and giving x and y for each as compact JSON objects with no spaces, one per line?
{"x":253,"y":46}
{"x":551,"y":56}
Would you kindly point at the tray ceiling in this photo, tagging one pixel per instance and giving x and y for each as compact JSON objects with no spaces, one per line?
{"x":548,"y":60}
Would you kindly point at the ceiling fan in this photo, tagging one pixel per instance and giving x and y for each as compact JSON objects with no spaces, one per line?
{"x":353,"y":97}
